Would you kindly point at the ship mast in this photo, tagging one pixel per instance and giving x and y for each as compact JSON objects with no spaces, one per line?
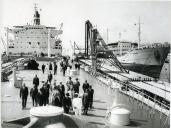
{"x":139,"y":33}
{"x":107,"y":36}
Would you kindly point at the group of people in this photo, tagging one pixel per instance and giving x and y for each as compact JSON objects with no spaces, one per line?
{"x":68,"y":96}
{"x":80,"y":102}
{"x":50,"y":67}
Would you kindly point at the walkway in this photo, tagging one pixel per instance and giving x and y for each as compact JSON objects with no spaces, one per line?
{"x":140,"y":117}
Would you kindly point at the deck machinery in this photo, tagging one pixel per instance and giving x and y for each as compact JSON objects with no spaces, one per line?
{"x":97,"y":50}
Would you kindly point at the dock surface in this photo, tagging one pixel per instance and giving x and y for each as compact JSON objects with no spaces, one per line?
{"x":141,"y":116}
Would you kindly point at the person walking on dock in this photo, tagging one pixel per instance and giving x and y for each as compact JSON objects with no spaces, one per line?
{"x":34,"y":94}
{"x":62,"y":88}
{"x":76,"y":86}
{"x":40,"y":97}
{"x":77,"y":104}
{"x":36,"y":81}
{"x":90,"y":96}
{"x":64,"y":68}
{"x":43,"y":95}
{"x":85,"y":86}
{"x":69,"y":84}
{"x":50,"y":77}
{"x":66,"y":103}
{"x":43,"y":68}
{"x":56,"y":98}
{"x":24,"y":95}
{"x":85,"y":102}
{"x":55,"y":68}
{"x":50,"y":66}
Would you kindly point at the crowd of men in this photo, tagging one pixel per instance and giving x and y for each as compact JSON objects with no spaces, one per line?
{"x":68,"y":96}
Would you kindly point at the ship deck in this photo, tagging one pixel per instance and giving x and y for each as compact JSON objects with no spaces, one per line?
{"x":142,"y":115}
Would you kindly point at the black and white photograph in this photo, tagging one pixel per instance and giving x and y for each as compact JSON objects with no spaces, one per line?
{"x":85,"y":63}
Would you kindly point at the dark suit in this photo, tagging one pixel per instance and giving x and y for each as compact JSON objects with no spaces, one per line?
{"x":55,"y":69}
{"x":43,"y":68}
{"x":23,"y":95}
{"x":76,"y":87}
{"x":43,"y":95}
{"x":66,"y":104}
{"x":85,"y":102}
{"x":36,"y":81}
{"x":50,"y":66}
{"x":85,"y":86}
{"x":50,"y":78}
{"x":90,"y":97}
{"x":34,"y":94}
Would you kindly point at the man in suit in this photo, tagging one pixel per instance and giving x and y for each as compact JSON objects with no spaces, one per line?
{"x":50,"y":66}
{"x":24,"y":95}
{"x":90,"y":96}
{"x":44,"y":94}
{"x":50,"y":77}
{"x":85,"y":101}
{"x":43,"y":68}
{"x":76,"y":86}
{"x":55,"y":69}
{"x":62,"y":88}
{"x":36,"y":81}
{"x":66,"y":103}
{"x":85,"y":86}
{"x":34,"y":94}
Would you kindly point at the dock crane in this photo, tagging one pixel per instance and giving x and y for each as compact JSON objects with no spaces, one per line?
{"x":94,"y":40}
{"x":76,"y":47}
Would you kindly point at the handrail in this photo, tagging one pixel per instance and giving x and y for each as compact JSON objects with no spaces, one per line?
{"x":134,"y":88}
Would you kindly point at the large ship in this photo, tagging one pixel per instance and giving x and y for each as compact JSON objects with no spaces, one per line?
{"x":34,"y":39}
{"x":146,"y":60}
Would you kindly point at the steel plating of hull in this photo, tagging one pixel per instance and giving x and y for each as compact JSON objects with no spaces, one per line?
{"x":147,"y":61}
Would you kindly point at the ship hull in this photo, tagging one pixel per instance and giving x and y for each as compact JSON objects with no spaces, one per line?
{"x":148,"y":61}
{"x":148,"y":70}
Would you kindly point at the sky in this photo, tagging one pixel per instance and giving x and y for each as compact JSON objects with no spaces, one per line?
{"x":116,"y":16}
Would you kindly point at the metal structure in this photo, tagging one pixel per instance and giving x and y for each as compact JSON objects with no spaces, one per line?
{"x":97,"y":50}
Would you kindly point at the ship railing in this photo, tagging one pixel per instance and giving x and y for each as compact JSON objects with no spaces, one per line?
{"x":149,"y":100}
{"x":151,"y":104}
{"x":9,"y":67}
{"x":140,"y":91}
{"x":142,"y":97}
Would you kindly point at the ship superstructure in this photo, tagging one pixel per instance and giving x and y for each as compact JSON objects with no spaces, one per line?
{"x":34,"y":39}
{"x":122,"y":47}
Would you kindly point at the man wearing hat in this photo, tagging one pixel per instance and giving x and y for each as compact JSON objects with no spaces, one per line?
{"x":66,"y":103}
{"x":76,"y":86}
